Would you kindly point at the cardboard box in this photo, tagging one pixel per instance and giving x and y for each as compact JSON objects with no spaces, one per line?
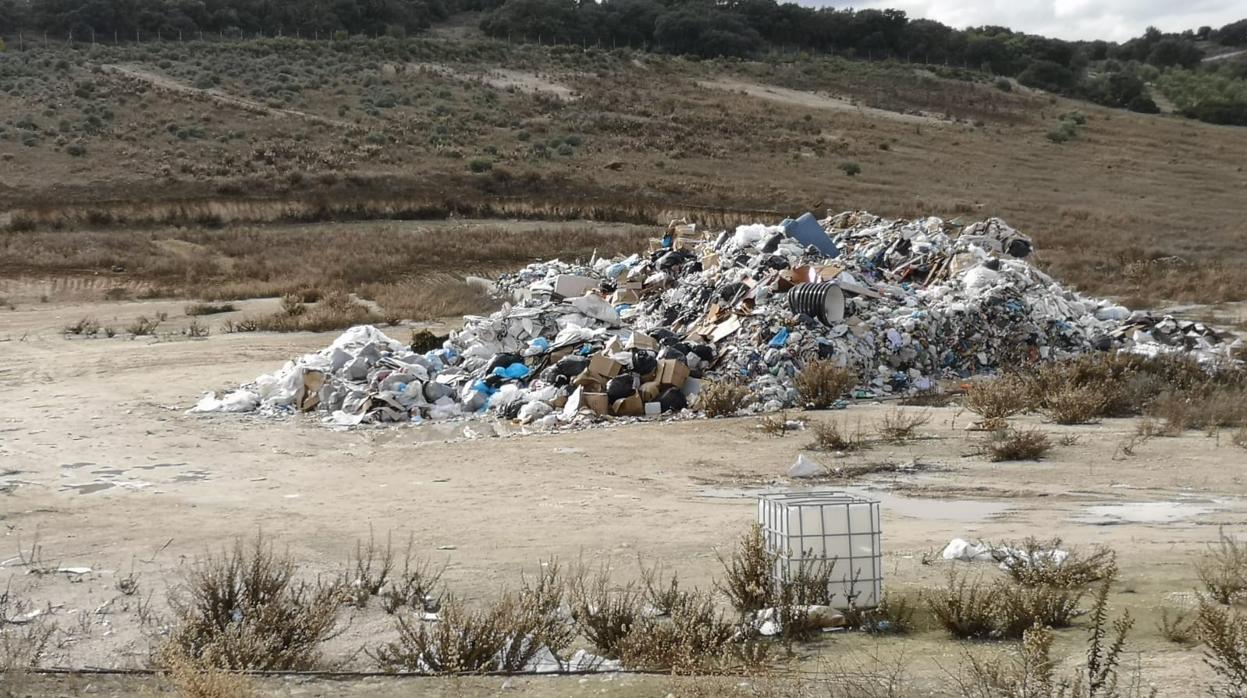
{"x":650,"y":391}
{"x":604,"y":366}
{"x":590,"y":381}
{"x":631,"y":406}
{"x":671,"y":373}
{"x":640,"y":340}
{"x":598,"y":403}
{"x":572,"y":286}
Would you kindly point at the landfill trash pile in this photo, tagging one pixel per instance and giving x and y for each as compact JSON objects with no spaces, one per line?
{"x":904,"y":302}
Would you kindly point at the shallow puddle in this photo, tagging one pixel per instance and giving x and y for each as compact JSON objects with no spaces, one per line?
{"x":88,"y":488}
{"x":1141,"y":512}
{"x":921,"y":508}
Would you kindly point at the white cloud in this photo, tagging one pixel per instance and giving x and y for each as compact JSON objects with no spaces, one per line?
{"x":1113,"y":20}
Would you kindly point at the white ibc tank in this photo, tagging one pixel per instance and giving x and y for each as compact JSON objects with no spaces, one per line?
{"x":832,"y":527}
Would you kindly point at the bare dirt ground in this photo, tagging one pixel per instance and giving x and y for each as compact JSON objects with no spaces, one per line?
{"x":812,"y":100}
{"x":101,"y":467}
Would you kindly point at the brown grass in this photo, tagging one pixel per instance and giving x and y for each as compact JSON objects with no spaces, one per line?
{"x":194,"y":679}
{"x":334,"y":311}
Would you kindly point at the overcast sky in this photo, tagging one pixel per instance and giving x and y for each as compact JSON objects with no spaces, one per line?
{"x":1113,"y":20}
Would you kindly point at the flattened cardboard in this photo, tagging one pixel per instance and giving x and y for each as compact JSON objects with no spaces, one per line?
{"x":597,"y":402}
{"x":631,"y":406}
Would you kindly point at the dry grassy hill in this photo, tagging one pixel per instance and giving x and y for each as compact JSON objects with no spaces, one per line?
{"x":106,"y":138}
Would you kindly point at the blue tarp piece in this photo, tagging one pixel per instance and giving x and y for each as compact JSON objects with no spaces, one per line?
{"x":808,"y":232}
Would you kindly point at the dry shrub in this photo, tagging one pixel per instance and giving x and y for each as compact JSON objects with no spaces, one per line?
{"x":1032,"y":672}
{"x":1021,"y":608}
{"x":1177,"y":626}
{"x":1223,"y":631}
{"x":722,"y":399}
{"x":335,"y":311}
{"x":774,"y":424}
{"x":504,"y":637}
{"x":415,"y":587}
{"x":835,"y":436}
{"x":21,"y":644}
{"x":292,"y":305}
{"x":1240,"y":437}
{"x":695,"y":639}
{"x":899,"y":425}
{"x":433,"y":298}
{"x":196,"y":309}
{"x":1075,"y":404}
{"x":142,"y":326}
{"x":86,"y":327}
{"x":460,"y":642}
{"x":1032,"y":564}
{"x":821,"y":382}
{"x":1016,"y":444}
{"x":245,"y":610}
{"x":370,"y":569}
{"x":605,"y":615}
{"x":194,"y":679}
{"x":749,"y":581}
{"x":1223,"y":568}
{"x":966,"y":609}
{"x":1208,"y":409}
{"x":662,"y":595}
{"x":893,"y":616}
{"x":996,"y":399}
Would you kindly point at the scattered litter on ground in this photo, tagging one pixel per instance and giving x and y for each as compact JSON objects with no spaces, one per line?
{"x":904,"y":303}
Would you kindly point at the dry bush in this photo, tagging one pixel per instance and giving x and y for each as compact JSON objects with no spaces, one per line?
{"x":194,"y":679}
{"x":1016,"y":444}
{"x":1075,"y":404}
{"x":1177,"y":626}
{"x":245,"y":610}
{"x":774,"y":424}
{"x":662,"y":595}
{"x":292,"y":305}
{"x":1020,"y":608}
{"x":243,"y":325}
{"x":1240,"y":438}
{"x":86,"y":327}
{"x":415,"y":587}
{"x":1223,"y":631}
{"x":21,"y":644}
{"x":196,"y":309}
{"x":370,"y":569}
{"x":749,"y":581}
{"x":695,"y":639}
{"x":821,"y":382}
{"x":722,"y":399}
{"x":835,"y":436}
{"x":1032,"y":672}
{"x":996,"y":399}
{"x":967,"y":610}
{"x":142,"y":326}
{"x":605,"y":615}
{"x":1031,"y":563}
{"x":893,"y":616}
{"x":899,"y":425}
{"x":460,"y":642}
{"x":1223,"y":568}
{"x":1208,"y":409}
{"x":197,"y":330}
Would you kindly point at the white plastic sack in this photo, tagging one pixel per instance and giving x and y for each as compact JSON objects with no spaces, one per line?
{"x":804,"y":467}
{"x":237,"y":401}
{"x":959,"y":549}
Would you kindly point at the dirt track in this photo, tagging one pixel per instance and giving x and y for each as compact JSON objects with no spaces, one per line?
{"x":100,"y":463}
